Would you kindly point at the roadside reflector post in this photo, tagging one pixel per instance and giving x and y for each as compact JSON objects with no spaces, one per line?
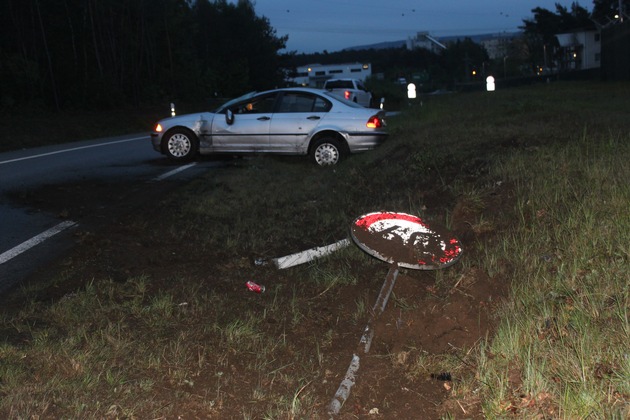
{"x":490,"y":84}
{"x":172,"y":109}
{"x":411,"y":91}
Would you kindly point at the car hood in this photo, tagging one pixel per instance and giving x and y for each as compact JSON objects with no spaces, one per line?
{"x":186,"y":118}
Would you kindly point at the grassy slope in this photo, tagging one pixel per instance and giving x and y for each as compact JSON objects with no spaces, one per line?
{"x":560,"y":150}
{"x":561,"y":349}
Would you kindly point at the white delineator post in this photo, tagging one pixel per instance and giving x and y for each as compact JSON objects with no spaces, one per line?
{"x":309,"y":255}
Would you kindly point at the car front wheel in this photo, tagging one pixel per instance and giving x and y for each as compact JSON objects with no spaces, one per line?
{"x":180,"y":145}
{"x":327,"y":151}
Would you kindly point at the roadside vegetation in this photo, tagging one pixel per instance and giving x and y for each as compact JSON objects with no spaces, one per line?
{"x":561,"y":349}
{"x":152,"y":319}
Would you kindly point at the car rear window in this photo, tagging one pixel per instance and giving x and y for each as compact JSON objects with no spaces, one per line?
{"x":339,"y":84}
{"x":346,"y":102}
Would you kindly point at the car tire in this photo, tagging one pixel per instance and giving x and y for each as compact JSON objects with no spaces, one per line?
{"x":180,"y":145}
{"x":327,"y":151}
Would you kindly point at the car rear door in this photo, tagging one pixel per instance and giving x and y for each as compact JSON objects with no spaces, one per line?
{"x":296,"y":116}
{"x":249,"y":131}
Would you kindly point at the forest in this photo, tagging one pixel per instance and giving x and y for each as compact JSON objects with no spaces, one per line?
{"x":96,"y":54}
{"x":100,"y":54}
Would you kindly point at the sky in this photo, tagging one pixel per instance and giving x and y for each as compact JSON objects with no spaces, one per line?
{"x":332,"y":25}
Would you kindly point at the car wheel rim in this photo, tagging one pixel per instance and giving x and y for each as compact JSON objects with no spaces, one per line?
{"x":179,"y":145}
{"x":326,"y":154}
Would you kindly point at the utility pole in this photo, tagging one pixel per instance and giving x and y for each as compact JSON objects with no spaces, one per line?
{"x":621,"y":11}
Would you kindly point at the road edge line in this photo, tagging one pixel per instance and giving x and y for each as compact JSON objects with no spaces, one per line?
{"x":173,"y":172}
{"x":35,"y":240}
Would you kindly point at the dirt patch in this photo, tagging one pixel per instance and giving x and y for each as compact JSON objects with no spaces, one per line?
{"x":423,"y":326}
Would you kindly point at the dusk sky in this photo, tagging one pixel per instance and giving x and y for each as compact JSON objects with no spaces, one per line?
{"x":332,"y":25}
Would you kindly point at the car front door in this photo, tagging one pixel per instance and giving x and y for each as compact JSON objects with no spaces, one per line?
{"x":297,"y":115}
{"x":248,"y":131}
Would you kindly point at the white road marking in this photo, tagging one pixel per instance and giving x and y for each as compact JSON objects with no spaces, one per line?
{"x":173,"y":172}
{"x":36,"y":240}
{"x":72,"y":150}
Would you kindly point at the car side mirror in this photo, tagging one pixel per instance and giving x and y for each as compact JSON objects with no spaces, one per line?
{"x":229,"y":117}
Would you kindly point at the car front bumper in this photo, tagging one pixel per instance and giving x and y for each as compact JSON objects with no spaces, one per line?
{"x":156,"y":140}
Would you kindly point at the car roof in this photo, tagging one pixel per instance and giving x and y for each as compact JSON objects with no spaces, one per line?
{"x":296,"y":89}
{"x":319,"y":92}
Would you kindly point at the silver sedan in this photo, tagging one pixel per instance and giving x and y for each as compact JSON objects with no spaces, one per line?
{"x":291,"y":121}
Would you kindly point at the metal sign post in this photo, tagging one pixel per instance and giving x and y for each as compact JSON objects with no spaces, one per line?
{"x":403,"y":240}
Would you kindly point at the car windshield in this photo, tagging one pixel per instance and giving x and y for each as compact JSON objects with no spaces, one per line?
{"x":233,"y":101}
{"x":343,"y":100}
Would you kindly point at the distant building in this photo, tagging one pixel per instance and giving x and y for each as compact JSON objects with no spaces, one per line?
{"x":498,"y":46}
{"x":580,"y":50}
{"x":314,"y":75}
{"x":426,"y":41}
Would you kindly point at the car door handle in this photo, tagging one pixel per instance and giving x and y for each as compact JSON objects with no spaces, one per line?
{"x":263,"y":119}
{"x":313,"y":117}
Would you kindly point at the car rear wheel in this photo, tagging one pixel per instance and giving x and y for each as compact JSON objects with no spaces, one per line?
{"x":327,"y":151}
{"x":180,"y":145}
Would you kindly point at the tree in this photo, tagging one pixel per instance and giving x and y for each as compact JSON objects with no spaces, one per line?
{"x":540,"y":32}
{"x":604,"y":11}
{"x":238,"y":49}
{"x":103,"y":54}
{"x":464,"y":60}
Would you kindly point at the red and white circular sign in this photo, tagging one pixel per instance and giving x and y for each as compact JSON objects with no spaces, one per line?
{"x":405,"y":239}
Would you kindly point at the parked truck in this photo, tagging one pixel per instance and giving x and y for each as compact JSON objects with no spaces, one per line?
{"x":350,"y":89}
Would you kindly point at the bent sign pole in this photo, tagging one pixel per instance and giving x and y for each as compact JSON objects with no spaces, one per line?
{"x":403,"y":240}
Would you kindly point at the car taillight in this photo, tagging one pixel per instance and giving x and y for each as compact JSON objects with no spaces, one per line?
{"x":347,"y":94}
{"x":374,"y":122}
{"x":158,"y":128}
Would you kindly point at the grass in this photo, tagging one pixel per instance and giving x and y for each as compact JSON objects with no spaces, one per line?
{"x":565,"y":327}
{"x":186,"y":339}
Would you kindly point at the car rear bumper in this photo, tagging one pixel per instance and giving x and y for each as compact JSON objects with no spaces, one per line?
{"x":361,"y":142}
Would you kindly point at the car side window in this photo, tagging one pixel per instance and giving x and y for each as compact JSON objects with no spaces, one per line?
{"x":261,"y":105}
{"x":321,"y":105}
{"x":302,"y":102}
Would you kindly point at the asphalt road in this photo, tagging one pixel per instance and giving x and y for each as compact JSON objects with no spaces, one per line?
{"x":29,"y":237}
